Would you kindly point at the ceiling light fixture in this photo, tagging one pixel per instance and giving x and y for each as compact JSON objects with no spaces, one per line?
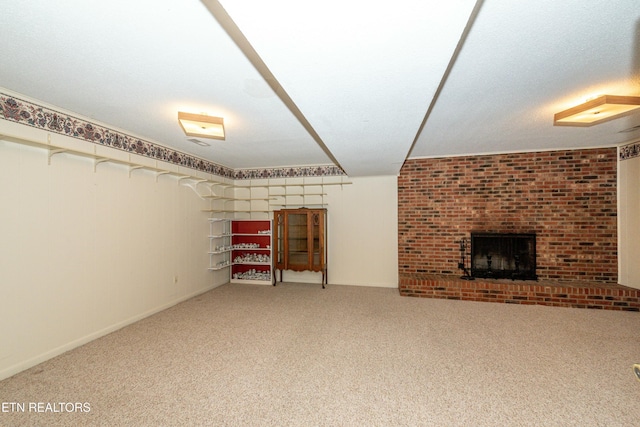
{"x":202,"y":125}
{"x":597,"y":110}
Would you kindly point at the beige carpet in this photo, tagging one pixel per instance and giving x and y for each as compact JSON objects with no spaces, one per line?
{"x":298,"y":355}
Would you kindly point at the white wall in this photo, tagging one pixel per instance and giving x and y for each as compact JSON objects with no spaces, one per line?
{"x":629,"y":222}
{"x":362,"y":234}
{"x":83,"y":253}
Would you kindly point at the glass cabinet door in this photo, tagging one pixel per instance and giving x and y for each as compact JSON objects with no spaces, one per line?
{"x":297,"y":239}
{"x":279,"y":243}
{"x":316,"y":239}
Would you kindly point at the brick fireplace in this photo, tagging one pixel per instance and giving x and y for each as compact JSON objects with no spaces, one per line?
{"x":566,"y":198}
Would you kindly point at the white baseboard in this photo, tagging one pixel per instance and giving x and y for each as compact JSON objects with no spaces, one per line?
{"x":31,"y":362}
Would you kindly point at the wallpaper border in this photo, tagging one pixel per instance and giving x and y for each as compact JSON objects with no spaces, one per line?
{"x":28,"y":113}
{"x":629,"y":151}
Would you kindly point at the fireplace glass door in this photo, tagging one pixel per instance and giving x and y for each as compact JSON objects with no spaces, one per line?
{"x":503,"y":256}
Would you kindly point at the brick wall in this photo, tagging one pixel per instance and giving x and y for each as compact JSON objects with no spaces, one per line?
{"x":568,"y":198}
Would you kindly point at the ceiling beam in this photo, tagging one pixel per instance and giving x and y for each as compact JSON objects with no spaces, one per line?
{"x":452,"y":61}
{"x":227,"y":23}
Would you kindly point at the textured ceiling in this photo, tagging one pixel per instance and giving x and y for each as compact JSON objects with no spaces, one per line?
{"x":363,"y":84}
{"x":521,"y":65}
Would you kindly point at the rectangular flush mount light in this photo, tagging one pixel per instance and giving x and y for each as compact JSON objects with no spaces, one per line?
{"x":201,"y":125}
{"x":597,"y":110}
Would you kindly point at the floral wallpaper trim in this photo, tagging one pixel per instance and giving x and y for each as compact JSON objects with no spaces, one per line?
{"x":30,"y":114}
{"x":629,"y":151}
{"x":290,"y":172}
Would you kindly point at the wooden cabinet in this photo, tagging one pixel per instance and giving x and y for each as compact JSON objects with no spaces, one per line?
{"x":300,"y":237}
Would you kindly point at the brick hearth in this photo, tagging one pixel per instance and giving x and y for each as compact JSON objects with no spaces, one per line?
{"x":583,"y":295}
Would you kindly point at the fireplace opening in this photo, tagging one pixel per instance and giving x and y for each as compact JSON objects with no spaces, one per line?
{"x":503,"y":256}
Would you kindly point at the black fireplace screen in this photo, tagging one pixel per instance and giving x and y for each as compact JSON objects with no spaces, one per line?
{"x":503,"y":256}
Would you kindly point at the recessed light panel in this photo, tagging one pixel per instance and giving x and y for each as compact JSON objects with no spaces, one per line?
{"x":598,"y":110}
{"x":201,"y":125}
